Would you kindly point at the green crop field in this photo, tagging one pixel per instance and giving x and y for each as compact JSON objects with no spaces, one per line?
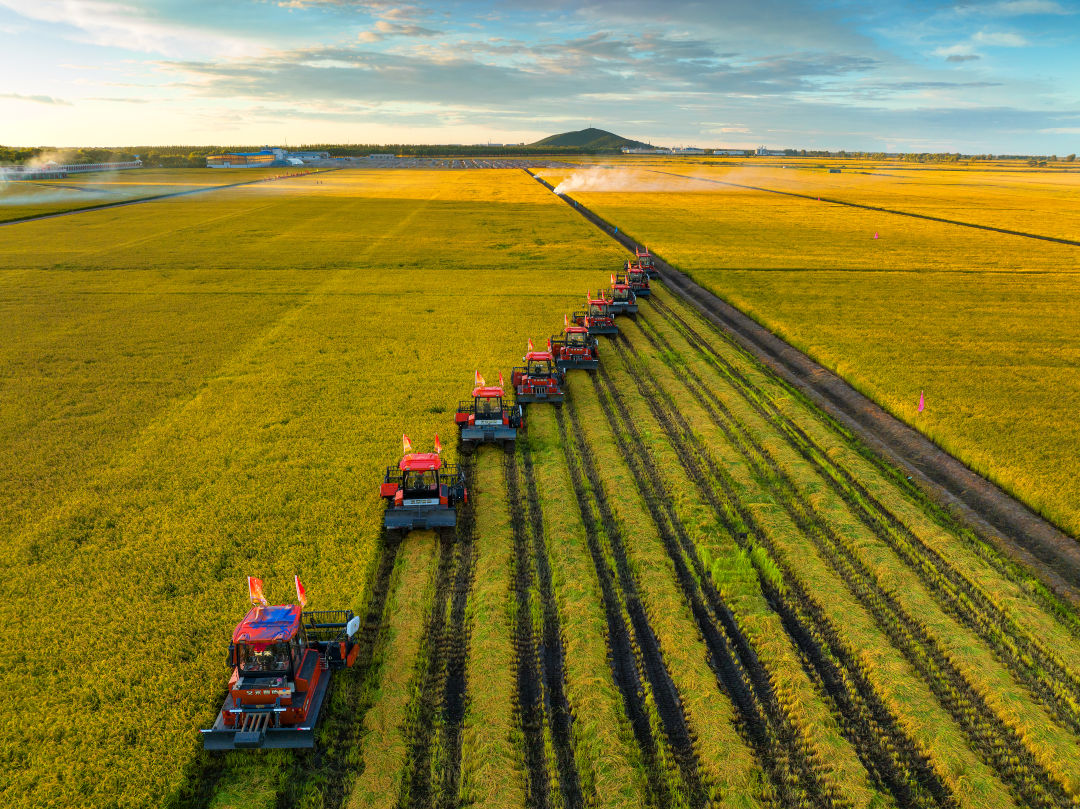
{"x":685,"y":587}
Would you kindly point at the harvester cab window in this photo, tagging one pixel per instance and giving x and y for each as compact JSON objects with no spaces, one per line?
{"x":489,"y":406}
{"x":576,"y":339}
{"x":538,"y":368}
{"x":263,"y":658}
{"x":596,"y":310}
{"x":419,"y":481}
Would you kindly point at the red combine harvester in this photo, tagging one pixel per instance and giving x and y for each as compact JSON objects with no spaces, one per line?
{"x":281,"y":659}
{"x":598,"y":318}
{"x":422,"y":492}
{"x":645,"y":261}
{"x":623,"y":300}
{"x":575,"y":348}
{"x":488,"y":418}
{"x":638,"y":279}
{"x":540,"y":380}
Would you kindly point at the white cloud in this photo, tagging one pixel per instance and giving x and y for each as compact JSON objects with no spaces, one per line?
{"x":120,"y":25}
{"x":35,"y":99}
{"x":1015,"y":8}
{"x":1001,"y":39}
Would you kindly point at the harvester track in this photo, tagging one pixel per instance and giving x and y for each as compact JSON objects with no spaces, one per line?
{"x":560,"y":718}
{"x":888,"y":754}
{"x":664,"y":692}
{"x":1030,"y":661}
{"x":326,"y":768}
{"x":998,"y":744}
{"x":456,"y":642}
{"x":424,"y":713}
{"x":624,"y":662}
{"x":530,"y":698}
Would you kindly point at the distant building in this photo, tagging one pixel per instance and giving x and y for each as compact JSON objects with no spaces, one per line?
{"x":264,"y":158}
{"x":688,"y":150}
{"x":643,"y":150}
{"x":308,"y":157}
{"x":763,"y":152}
{"x":732,"y":152}
{"x":382,"y":156}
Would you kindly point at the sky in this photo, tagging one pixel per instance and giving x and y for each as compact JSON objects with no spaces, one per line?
{"x":975,"y":76}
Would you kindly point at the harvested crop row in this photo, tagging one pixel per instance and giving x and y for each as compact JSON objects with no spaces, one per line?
{"x":1031,"y":662}
{"x":996,"y":741}
{"x":551,"y":646}
{"x":491,"y":750}
{"x":1045,"y":743}
{"x":754,"y":529}
{"x":610,"y":764}
{"x":883,"y":749}
{"x":383,"y":749}
{"x":624,"y":649}
{"x":735,"y":663}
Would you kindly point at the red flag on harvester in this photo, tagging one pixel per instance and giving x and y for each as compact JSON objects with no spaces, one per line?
{"x":478,"y":380}
{"x":406,"y":444}
{"x":613,"y":279}
{"x":530,"y":344}
{"x":565,"y":320}
{"x":501,"y":383}
{"x":438,"y":444}
{"x":255,"y":591}
{"x":301,"y":593}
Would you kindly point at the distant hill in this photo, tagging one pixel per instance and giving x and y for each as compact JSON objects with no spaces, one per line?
{"x":591,"y":138}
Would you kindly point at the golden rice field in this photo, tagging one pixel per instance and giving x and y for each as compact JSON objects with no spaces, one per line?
{"x":686,"y":587}
{"x":981,"y":321}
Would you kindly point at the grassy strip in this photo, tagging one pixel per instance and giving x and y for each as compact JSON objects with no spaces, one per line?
{"x":816,"y":728}
{"x":491,"y":750}
{"x":729,"y":770}
{"x":612,"y":774}
{"x":384,"y":747}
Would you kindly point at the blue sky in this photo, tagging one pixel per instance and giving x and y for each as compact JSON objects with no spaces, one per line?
{"x":998,"y":76}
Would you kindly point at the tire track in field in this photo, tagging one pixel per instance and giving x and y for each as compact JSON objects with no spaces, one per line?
{"x":530,"y":700}
{"x":326,"y":767}
{"x":624,"y":663}
{"x":416,"y":790}
{"x":739,"y":672}
{"x":996,"y":742}
{"x":815,"y":198}
{"x":891,"y":758}
{"x":560,"y":719}
{"x":1048,"y":678}
{"x":456,"y":651}
{"x":665,"y":692}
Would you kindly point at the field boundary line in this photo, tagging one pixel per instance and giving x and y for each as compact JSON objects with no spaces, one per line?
{"x":996,"y":516}
{"x":815,"y":198}
{"x":138,"y":200}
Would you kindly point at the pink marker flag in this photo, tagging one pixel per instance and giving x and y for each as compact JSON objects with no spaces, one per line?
{"x":922,"y":402}
{"x":875,"y":234}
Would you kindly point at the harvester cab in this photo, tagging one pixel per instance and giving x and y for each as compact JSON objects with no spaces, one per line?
{"x":489,"y":417}
{"x":281,"y":659}
{"x":646,"y":262}
{"x":574,"y":348}
{"x":540,"y":380}
{"x":598,"y":318}
{"x":422,"y":492}
{"x":638,"y":279}
{"x":623,"y":300}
